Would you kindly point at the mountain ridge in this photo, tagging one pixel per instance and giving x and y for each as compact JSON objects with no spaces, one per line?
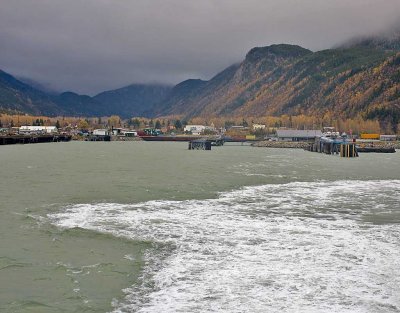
{"x":307,"y":83}
{"x":351,"y":80}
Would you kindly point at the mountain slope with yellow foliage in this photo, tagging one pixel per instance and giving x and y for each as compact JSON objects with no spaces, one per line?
{"x":359,"y":80}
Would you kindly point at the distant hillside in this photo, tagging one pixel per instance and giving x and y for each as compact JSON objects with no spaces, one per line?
{"x":177,"y":97}
{"x":37,"y":85}
{"x":16,"y":95}
{"x":133,"y":100}
{"x":73,"y":104}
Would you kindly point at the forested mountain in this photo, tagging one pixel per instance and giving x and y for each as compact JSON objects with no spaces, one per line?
{"x":176,"y":99}
{"x":73,"y":104}
{"x":284,"y":79}
{"x":359,"y":78}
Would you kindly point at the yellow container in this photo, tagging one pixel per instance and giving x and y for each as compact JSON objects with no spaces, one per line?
{"x":369,"y":136}
{"x":251,"y":137}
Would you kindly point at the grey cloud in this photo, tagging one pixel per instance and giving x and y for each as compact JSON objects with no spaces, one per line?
{"x":93,"y":45}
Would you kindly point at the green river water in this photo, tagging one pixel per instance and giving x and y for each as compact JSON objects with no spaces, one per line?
{"x":154,"y":227}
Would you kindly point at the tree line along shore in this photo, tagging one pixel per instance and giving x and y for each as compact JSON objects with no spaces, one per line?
{"x":357,"y":125}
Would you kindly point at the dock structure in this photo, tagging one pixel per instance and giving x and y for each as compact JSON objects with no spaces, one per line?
{"x":216,"y":141}
{"x":200,"y":145}
{"x":330,"y":145}
{"x":98,"y":138}
{"x":27,"y":139}
{"x":376,"y":149}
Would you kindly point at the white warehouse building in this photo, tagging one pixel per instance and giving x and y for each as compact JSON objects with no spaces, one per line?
{"x":38,"y":129}
{"x":101,"y":132}
{"x":197,"y":129}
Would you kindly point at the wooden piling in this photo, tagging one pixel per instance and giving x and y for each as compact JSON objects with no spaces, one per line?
{"x":348,"y":150}
{"x":200,"y":145}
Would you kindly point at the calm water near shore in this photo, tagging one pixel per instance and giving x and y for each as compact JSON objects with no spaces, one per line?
{"x":154,"y":227}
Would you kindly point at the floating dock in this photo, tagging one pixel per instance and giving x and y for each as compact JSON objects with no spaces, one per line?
{"x":376,"y":149}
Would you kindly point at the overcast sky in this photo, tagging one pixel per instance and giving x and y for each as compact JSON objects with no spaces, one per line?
{"x":88,"y":46}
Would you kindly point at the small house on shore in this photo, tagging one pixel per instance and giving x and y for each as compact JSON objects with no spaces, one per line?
{"x":101,"y":132}
{"x":258,"y":127}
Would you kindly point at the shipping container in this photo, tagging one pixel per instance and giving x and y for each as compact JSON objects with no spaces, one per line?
{"x":369,"y":136}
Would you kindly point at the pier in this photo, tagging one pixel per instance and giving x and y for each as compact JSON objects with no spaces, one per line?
{"x":376,"y":149}
{"x":332,"y":146}
{"x":98,"y":138}
{"x":200,"y":145}
{"x":27,"y":139}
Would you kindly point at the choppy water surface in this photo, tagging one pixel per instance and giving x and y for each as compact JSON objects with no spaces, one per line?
{"x":152,"y":227}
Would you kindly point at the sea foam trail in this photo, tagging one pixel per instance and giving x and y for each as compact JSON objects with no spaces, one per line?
{"x":297,"y":247}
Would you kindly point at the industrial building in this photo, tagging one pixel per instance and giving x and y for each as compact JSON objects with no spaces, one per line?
{"x":38,"y":129}
{"x":297,"y":135}
{"x":197,"y":129}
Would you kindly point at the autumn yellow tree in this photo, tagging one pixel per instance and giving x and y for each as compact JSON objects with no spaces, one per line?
{"x":114,"y":121}
{"x":83,"y":125}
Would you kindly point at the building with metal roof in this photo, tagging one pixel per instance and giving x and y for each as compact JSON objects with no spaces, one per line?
{"x":38,"y":129}
{"x":297,"y":135}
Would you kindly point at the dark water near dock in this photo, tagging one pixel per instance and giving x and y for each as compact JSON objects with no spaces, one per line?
{"x":154,"y":227}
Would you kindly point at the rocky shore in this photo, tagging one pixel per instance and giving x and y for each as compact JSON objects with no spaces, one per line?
{"x":281,"y":144}
{"x":302,"y":144}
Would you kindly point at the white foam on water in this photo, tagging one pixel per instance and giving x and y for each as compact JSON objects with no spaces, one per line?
{"x":297,"y":247}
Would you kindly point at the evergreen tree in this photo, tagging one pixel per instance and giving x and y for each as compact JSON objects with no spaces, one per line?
{"x":178,"y":124}
{"x":158,"y":124}
{"x":136,"y":123}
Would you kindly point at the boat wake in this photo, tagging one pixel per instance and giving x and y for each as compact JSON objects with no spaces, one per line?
{"x":297,"y":247}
